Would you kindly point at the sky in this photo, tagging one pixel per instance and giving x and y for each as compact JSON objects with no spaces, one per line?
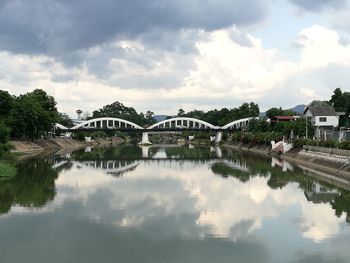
{"x":161,"y":55}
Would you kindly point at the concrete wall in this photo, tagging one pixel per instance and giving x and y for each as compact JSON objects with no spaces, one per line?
{"x":333,"y":151}
{"x":331,"y":121}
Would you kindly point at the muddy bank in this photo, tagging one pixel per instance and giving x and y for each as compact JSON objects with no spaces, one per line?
{"x":36,"y":147}
{"x":334,"y":164}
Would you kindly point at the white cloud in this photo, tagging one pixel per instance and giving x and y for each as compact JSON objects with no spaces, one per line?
{"x":223,"y":73}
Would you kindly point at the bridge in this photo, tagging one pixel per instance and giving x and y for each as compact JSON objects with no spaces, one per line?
{"x":172,"y":124}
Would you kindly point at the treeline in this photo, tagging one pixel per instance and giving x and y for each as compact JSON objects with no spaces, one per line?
{"x":27,"y":116}
{"x":118,"y":110}
{"x":224,"y":116}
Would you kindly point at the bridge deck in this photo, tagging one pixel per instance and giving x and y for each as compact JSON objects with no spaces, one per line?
{"x":146,"y":130}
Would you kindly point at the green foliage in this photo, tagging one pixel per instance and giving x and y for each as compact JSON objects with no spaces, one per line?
{"x":4,"y":133}
{"x":4,"y":138}
{"x":118,"y":110}
{"x":284,"y":128}
{"x":225,"y":171}
{"x":33,"y":186}
{"x":181,"y":112}
{"x":341,"y":101}
{"x":257,"y":138}
{"x":224,"y":116}
{"x":80,"y":136}
{"x":65,"y":120}
{"x":279,"y":112}
{"x":6,"y":104}
{"x":7,"y":170}
{"x":31,"y":115}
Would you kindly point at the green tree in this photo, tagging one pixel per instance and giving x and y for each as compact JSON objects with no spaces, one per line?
{"x":6,"y":104}
{"x":33,"y":115}
{"x":118,"y":110}
{"x":181,"y":112}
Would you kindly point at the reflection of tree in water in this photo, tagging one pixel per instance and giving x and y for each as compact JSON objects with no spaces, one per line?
{"x":109,"y":153}
{"x":341,"y":204}
{"x":187,"y":153}
{"x":33,"y":186}
{"x":225,"y":170}
{"x":243,"y":167}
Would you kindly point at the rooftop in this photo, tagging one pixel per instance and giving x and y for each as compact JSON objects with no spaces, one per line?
{"x":320,"y":108}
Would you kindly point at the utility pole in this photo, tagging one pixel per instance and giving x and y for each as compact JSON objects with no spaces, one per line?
{"x":306,"y":131}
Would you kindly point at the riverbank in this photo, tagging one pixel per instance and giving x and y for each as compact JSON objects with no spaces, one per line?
{"x":333,"y":164}
{"x":35,"y":147}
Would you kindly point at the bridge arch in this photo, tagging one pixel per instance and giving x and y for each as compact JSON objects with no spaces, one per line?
{"x":183,"y":123}
{"x":238,"y":123}
{"x":107,"y":123}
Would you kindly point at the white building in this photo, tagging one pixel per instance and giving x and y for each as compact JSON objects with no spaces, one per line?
{"x":323,"y":118}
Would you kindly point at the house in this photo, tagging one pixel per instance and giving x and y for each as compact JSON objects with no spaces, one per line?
{"x":324,"y":119}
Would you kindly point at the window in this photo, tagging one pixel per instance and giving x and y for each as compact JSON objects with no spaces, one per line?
{"x":323,"y":119}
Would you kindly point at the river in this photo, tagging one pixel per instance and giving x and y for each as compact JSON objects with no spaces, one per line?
{"x":171,"y":204}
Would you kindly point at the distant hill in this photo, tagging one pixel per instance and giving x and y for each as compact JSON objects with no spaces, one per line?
{"x":298,"y":109}
{"x":159,"y":118}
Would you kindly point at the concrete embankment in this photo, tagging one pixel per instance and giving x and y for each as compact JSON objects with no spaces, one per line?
{"x":319,"y":159}
{"x":30,"y":148}
{"x":322,"y":159}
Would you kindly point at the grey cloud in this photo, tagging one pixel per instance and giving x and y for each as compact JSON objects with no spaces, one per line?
{"x":54,"y":26}
{"x":319,"y":5}
{"x":64,"y":78}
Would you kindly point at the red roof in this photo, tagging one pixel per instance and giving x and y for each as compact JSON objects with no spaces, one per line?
{"x":284,"y":117}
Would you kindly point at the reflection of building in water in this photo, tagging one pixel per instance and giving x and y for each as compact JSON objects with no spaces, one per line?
{"x":281,"y":163}
{"x":320,"y":194}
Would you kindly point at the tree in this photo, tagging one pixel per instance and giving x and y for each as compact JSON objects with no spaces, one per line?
{"x":65,"y":120}
{"x":4,"y":133}
{"x":180,"y":112}
{"x":33,"y":115}
{"x":279,"y":112}
{"x":118,"y":110}
{"x":341,"y":103}
{"x":6,"y":104}
{"x":338,"y":100}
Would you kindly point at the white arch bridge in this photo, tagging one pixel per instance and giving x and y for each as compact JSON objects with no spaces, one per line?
{"x":173,"y":124}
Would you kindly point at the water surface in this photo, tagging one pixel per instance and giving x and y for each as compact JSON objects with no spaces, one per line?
{"x":171,"y":204}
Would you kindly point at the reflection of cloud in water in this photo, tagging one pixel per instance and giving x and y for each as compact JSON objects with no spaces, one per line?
{"x":223,"y":208}
{"x":318,"y":221}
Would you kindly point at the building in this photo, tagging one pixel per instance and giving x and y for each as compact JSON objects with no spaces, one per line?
{"x":324,"y":119}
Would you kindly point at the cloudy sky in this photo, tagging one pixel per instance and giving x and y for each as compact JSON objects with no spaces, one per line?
{"x":159,"y":54}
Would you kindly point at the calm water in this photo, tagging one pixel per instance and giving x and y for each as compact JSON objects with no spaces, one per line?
{"x":171,"y":204}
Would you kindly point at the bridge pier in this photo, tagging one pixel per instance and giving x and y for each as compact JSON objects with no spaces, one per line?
{"x":145,"y":140}
{"x":218,"y":137}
